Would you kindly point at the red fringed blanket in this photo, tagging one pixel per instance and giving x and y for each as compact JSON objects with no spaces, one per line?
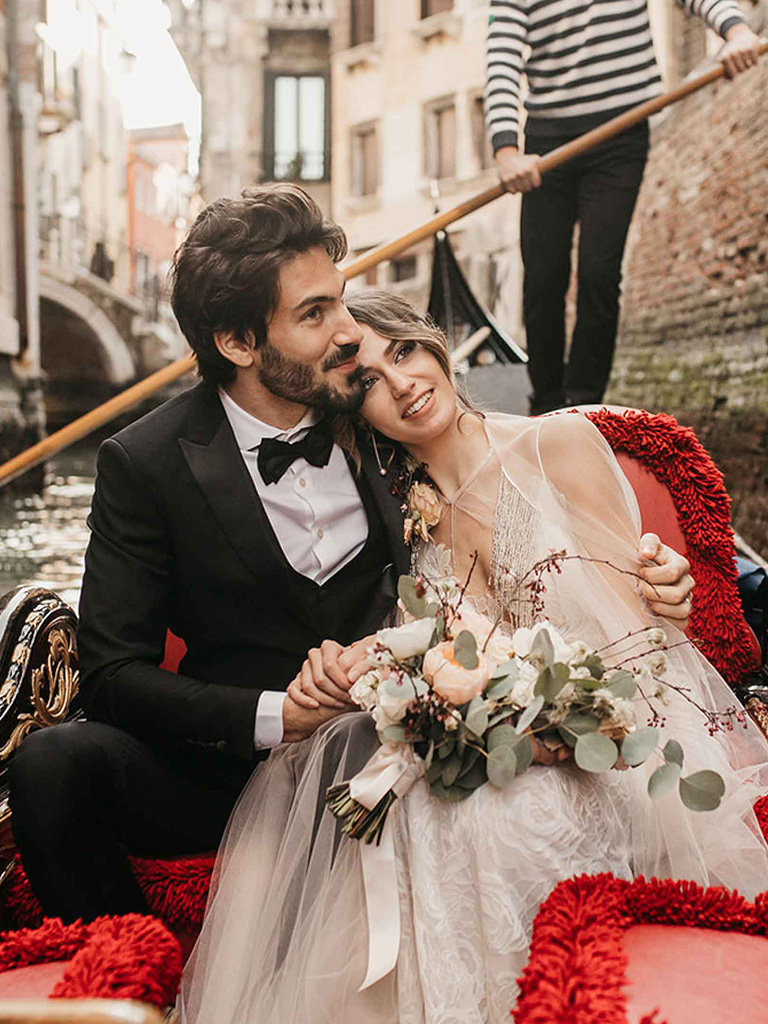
{"x":131,"y":957}
{"x":675,"y":456}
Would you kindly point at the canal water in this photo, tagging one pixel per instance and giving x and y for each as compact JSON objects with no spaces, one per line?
{"x":43,"y":537}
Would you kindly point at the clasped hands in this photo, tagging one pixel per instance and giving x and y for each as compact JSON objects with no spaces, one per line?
{"x":320,"y":690}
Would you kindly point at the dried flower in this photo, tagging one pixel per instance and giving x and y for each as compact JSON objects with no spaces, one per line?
{"x":656,"y":637}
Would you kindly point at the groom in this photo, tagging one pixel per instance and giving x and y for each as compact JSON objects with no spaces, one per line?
{"x":230,"y":517}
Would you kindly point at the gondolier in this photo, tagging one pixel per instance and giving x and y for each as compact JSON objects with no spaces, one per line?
{"x":587,"y":63}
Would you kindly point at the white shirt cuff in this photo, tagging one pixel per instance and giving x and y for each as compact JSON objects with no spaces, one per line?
{"x":268,"y":731}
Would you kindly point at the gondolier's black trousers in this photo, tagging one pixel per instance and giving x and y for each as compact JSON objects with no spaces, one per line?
{"x":598,"y":191}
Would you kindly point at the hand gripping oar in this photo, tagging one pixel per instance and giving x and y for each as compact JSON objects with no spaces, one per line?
{"x":113,"y":408}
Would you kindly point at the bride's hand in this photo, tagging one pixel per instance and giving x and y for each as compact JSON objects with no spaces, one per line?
{"x":668,"y":586}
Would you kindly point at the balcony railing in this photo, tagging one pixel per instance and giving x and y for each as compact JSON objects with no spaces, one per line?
{"x":302,"y":10}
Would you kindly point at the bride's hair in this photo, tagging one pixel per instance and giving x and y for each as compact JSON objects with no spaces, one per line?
{"x":396,"y":319}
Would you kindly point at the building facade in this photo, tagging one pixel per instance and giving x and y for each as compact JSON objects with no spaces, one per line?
{"x":263,"y":71}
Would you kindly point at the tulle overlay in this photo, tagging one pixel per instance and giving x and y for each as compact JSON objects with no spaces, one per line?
{"x":285,"y":939}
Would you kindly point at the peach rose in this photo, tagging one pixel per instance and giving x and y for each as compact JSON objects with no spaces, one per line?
{"x":422,"y":499}
{"x":451,"y":680}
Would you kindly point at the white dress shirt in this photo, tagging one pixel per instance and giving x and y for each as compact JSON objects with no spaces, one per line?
{"x":317,"y":515}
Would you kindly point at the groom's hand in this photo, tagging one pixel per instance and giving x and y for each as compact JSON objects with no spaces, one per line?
{"x":299,"y":722}
{"x":668,"y":584}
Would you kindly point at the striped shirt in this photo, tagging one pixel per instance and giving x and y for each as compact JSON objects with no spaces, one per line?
{"x":589,"y":60}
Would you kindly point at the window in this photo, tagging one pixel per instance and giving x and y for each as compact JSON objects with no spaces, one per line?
{"x":440,"y":139}
{"x":362,"y":22}
{"x":296,"y":128}
{"x":430,"y":7}
{"x":365,"y":160}
{"x":404,"y":268}
{"x":480,"y":138}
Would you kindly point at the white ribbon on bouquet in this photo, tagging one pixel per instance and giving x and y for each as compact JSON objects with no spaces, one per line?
{"x":393,"y":767}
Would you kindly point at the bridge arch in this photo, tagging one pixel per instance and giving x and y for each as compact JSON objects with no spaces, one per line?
{"x":85,"y":340}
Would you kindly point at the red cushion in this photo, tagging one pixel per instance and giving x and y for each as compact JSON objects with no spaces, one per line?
{"x":34,"y":982}
{"x":691,"y":975}
{"x":129,"y":957}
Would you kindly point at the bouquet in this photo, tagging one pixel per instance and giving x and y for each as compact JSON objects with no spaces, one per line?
{"x":459,"y":701}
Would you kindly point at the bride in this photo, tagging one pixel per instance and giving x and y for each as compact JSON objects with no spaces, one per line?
{"x":286,"y":936}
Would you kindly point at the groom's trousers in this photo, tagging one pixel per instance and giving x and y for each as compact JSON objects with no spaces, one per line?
{"x":85,"y":793}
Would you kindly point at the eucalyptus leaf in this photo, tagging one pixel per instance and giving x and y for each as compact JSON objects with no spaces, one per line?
{"x":702,"y":791}
{"x":638,"y":746}
{"x":434,"y":771}
{"x":507,"y":668}
{"x":590,"y":684}
{"x":500,"y":716}
{"x":498,"y":688}
{"x":451,"y":769}
{"x":595,"y":665}
{"x":501,"y":766}
{"x":393,"y":734}
{"x":673,"y":753}
{"x":524,"y":754}
{"x":580,"y":723}
{"x":468,"y":761}
{"x":431,"y":610}
{"x":529,"y":714}
{"x":622,"y":684}
{"x":542,"y":644}
{"x":477,"y":716}
{"x":452,"y":794}
{"x":548,"y":685}
{"x":595,"y":752}
{"x":566,"y":736}
{"x":406,"y":591}
{"x":476,"y":776}
{"x":502,"y":735}
{"x":465,"y":650}
{"x":663,"y":779}
{"x":445,"y":749}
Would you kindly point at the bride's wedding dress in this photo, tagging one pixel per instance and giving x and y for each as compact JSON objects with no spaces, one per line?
{"x":285,"y":940}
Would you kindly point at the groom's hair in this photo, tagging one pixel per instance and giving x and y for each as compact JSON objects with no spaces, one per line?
{"x":225,"y":274}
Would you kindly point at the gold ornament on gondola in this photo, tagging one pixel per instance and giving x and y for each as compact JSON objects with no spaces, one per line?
{"x":54,"y":686}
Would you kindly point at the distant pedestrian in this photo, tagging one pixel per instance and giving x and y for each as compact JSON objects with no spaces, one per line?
{"x":587,"y":63}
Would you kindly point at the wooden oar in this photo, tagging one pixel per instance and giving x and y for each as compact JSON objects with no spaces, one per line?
{"x":137,"y":393}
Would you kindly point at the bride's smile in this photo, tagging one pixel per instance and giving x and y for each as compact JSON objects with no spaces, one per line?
{"x":408,"y":397}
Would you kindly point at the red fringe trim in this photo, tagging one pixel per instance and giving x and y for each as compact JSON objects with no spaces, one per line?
{"x":675,"y":456}
{"x":176,"y":891}
{"x":577,"y":966}
{"x":130,"y":957}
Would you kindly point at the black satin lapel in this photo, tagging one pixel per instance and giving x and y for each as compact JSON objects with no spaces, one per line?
{"x":226,"y":483}
{"x":388,"y":506}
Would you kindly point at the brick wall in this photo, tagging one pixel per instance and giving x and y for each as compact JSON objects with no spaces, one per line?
{"x":693,"y":338}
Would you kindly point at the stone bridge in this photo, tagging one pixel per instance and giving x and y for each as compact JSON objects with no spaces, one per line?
{"x":94,"y":341}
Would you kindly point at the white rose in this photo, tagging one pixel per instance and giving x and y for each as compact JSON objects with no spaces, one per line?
{"x":522,"y":691}
{"x":408,"y":640}
{"x":363,"y":692}
{"x":393,"y":697}
{"x":522,"y":641}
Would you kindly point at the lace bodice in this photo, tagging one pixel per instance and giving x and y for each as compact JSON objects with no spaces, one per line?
{"x":512,"y":553}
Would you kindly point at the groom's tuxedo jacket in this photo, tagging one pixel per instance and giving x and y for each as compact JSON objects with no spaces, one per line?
{"x":180,"y":541}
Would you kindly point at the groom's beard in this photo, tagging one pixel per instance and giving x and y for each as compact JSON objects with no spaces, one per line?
{"x":298,"y":382}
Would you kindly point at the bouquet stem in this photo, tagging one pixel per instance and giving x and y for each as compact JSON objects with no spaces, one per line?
{"x":359,"y":822}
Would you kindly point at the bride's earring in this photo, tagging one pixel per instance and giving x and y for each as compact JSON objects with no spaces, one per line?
{"x":382,"y":471}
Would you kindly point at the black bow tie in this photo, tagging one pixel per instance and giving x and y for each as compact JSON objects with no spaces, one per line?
{"x":276,"y":456}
